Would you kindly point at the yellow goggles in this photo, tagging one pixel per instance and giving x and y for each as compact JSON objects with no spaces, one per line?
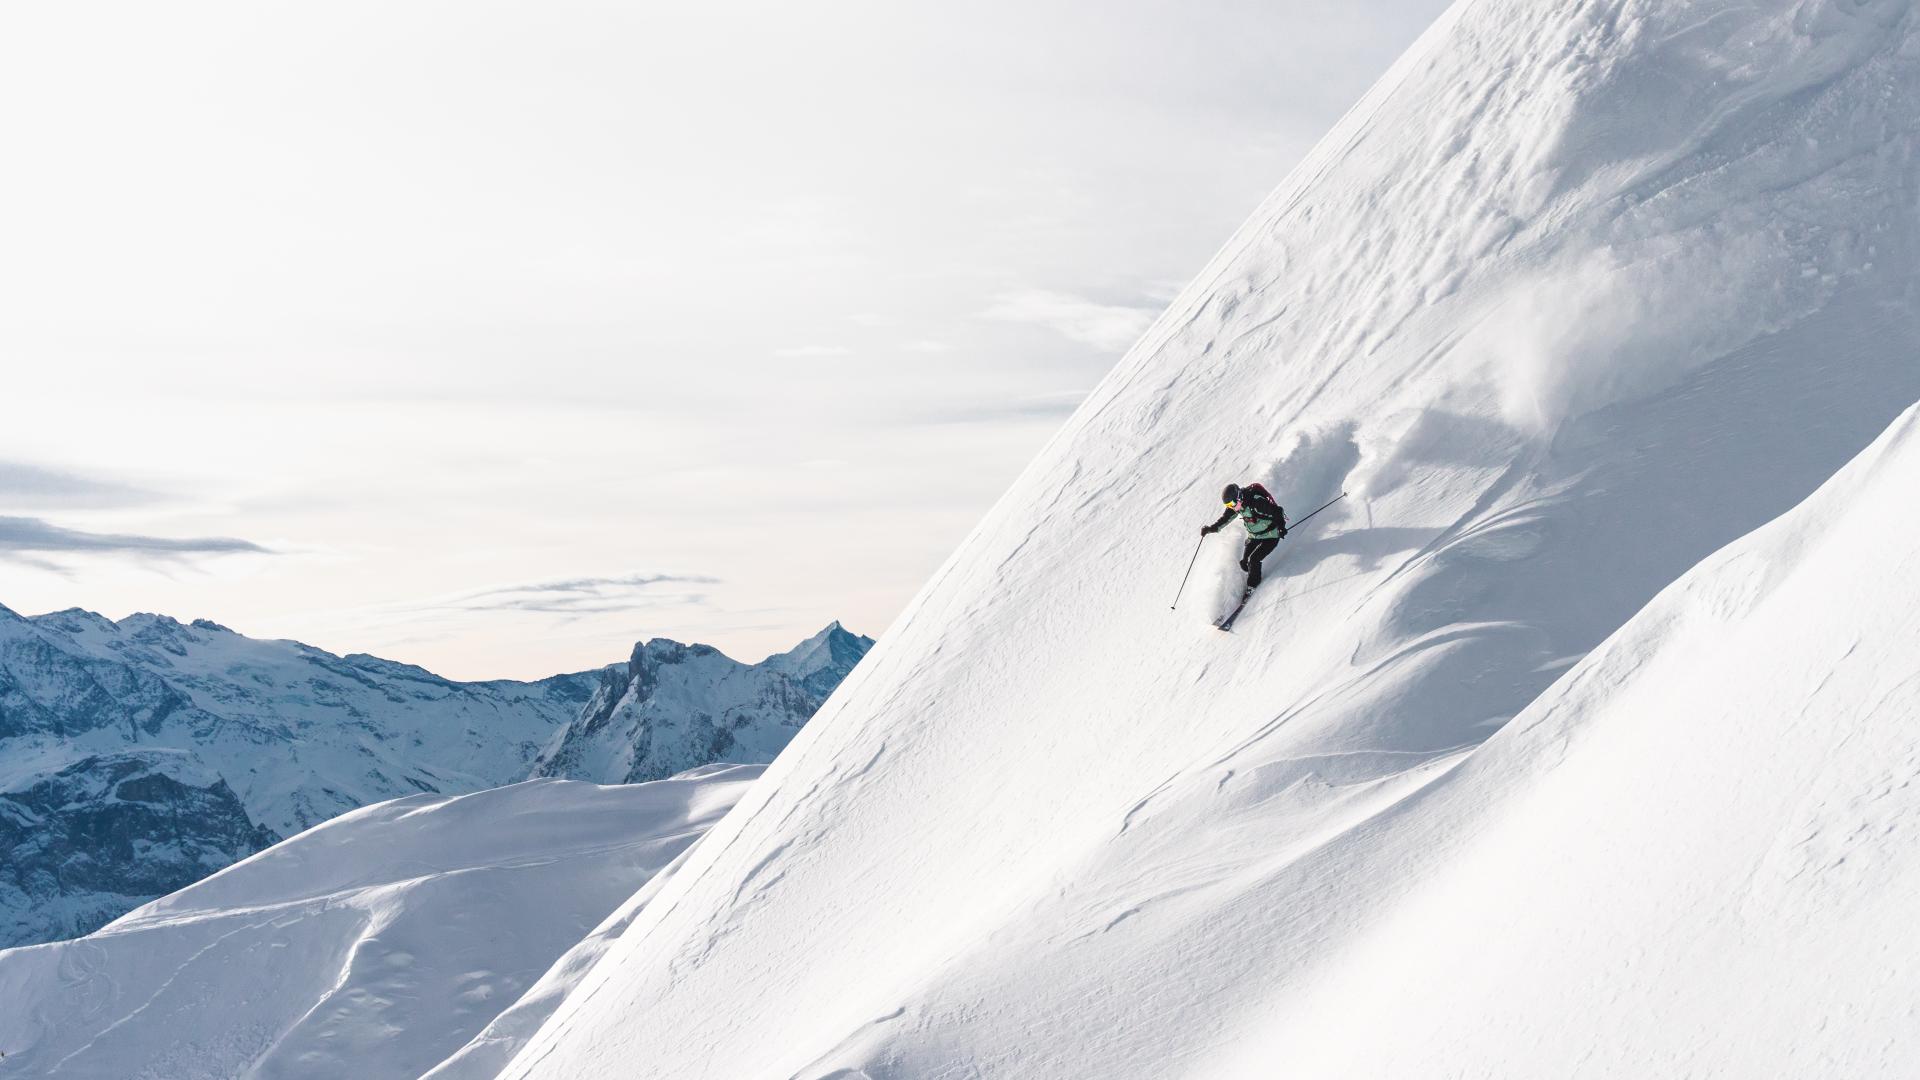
{"x":1233,"y":504}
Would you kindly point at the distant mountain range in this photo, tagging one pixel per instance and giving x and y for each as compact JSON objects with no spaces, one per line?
{"x":138,"y":756}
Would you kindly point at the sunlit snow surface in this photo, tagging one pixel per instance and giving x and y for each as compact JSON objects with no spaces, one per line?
{"x":1580,"y":294}
{"x":1694,"y":856}
{"x":372,"y":946}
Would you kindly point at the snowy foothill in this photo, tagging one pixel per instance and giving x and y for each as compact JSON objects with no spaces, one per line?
{"x":372,"y":946}
{"x":1577,"y":296}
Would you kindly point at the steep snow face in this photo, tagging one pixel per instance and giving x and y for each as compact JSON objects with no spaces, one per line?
{"x":372,"y":946}
{"x":1577,"y":295}
{"x":676,"y":706}
{"x":1694,"y":856}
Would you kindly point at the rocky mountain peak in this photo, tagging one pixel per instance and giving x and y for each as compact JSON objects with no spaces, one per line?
{"x":676,"y":706}
{"x":74,"y":621}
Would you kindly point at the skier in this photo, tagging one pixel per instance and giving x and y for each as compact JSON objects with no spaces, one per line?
{"x":1266,"y":526}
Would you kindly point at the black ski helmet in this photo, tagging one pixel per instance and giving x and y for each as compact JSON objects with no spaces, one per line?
{"x":1231,"y":494}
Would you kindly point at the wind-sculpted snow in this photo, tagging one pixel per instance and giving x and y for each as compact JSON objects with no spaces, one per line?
{"x":1578,"y":295}
{"x":371,"y":947}
{"x":1694,"y":856}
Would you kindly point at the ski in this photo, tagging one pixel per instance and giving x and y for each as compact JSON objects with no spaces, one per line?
{"x":1226,"y":622}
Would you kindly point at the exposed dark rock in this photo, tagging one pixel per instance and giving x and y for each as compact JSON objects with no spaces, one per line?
{"x":108,"y":833}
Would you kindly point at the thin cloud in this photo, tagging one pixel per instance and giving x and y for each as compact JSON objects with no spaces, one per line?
{"x":25,"y":534}
{"x":47,"y":565}
{"x":585,"y":596}
{"x":1109,"y":327}
{"x":23,"y":485}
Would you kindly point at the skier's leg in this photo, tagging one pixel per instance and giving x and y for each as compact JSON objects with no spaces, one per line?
{"x":1257,"y":551}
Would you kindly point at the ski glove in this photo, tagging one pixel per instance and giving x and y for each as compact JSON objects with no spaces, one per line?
{"x":1208,"y":530}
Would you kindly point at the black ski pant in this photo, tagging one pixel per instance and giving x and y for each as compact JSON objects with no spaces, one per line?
{"x":1250,"y":559}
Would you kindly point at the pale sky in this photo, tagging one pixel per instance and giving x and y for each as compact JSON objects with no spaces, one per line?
{"x":494,"y":337}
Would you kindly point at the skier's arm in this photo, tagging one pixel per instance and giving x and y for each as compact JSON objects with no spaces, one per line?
{"x":1225,"y":516}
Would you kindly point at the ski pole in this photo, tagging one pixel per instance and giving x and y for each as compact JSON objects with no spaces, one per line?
{"x":1189,"y":573}
{"x":1303,"y":520}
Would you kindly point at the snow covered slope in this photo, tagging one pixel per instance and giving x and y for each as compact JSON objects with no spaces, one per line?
{"x":371,"y":946}
{"x":1579,"y":294}
{"x":488,"y":1052}
{"x":673,"y":706}
{"x":1695,"y":856}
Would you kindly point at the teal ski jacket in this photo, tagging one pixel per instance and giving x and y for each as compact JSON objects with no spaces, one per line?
{"x":1263,"y":517}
